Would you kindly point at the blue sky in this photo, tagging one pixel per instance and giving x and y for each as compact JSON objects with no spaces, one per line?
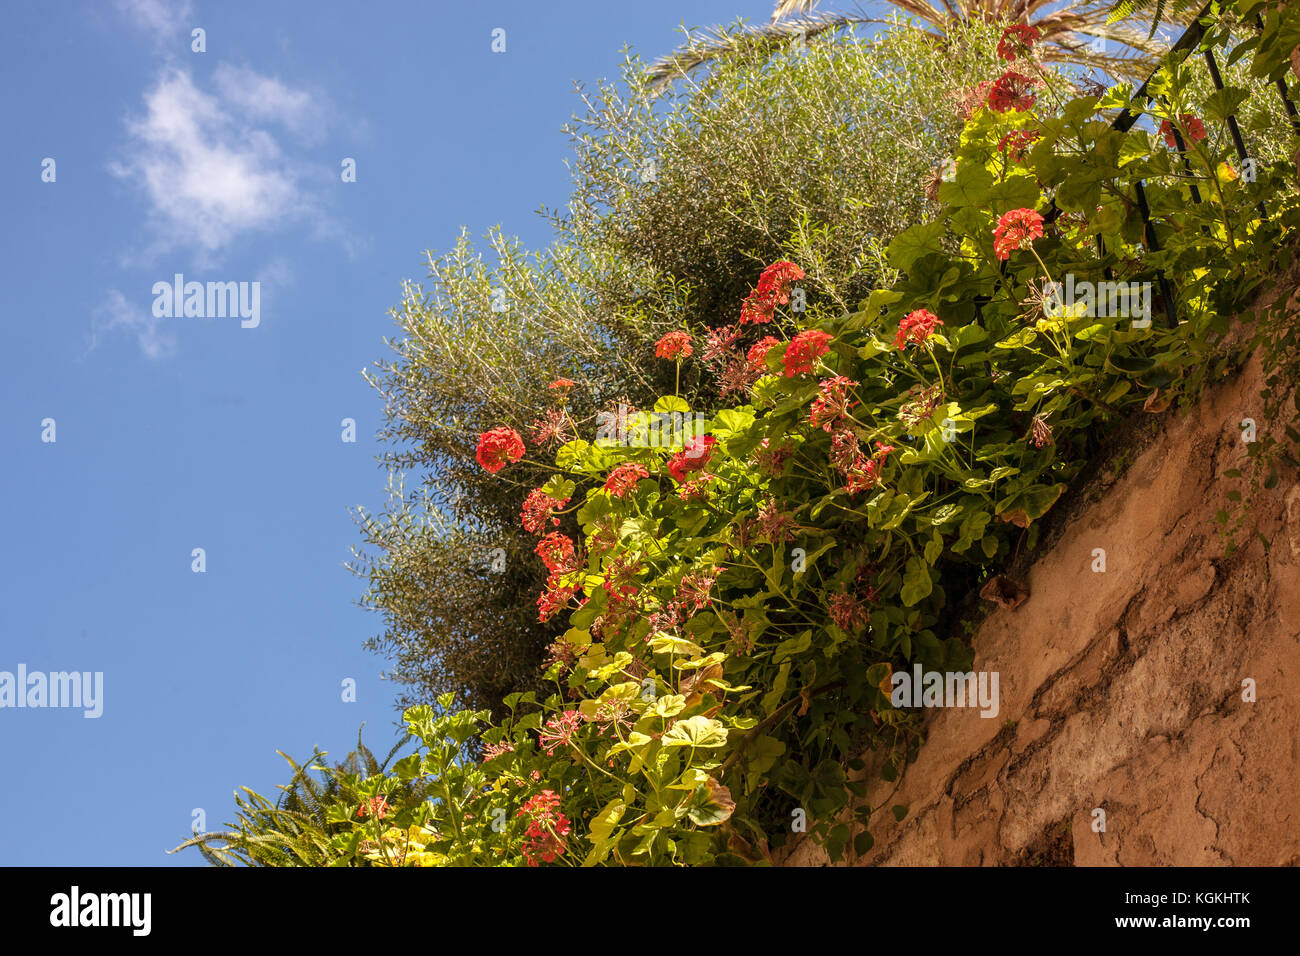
{"x":179,"y":433}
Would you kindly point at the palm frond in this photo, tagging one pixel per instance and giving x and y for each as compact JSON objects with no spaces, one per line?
{"x":711,"y":43}
{"x":1068,"y":33}
{"x":786,"y":7}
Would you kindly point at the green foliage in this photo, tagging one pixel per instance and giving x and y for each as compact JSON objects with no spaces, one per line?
{"x":308,"y":823}
{"x":819,"y":155}
{"x":735,"y":611}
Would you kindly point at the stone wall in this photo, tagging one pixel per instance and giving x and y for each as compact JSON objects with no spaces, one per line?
{"x":1122,"y":691}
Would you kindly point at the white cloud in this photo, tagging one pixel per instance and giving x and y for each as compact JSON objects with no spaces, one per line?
{"x":117,"y":314}
{"x":164,"y":19}
{"x":265,"y":98}
{"x":208,"y":175}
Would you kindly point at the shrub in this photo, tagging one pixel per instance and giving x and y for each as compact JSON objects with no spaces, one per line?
{"x":738,"y":601}
{"x":820,"y":155}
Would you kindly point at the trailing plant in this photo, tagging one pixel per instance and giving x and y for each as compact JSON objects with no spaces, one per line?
{"x":678,"y":199}
{"x":747,"y":582}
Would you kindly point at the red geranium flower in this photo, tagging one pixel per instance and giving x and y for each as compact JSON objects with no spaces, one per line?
{"x":561,"y":383}
{"x":915,"y":328}
{"x":1016,"y":143}
{"x":537,"y":510}
{"x":773,"y":290}
{"x":376,"y":805}
{"x":553,"y":599}
{"x":777,"y":279}
{"x":556,"y":552}
{"x":803,"y":350}
{"x":865,"y":472}
{"x":692,"y":458}
{"x":1016,"y":230}
{"x":1012,"y":91}
{"x":624,"y":478}
{"x":756,"y":310}
{"x":558,"y":731}
{"x":674,"y":344}
{"x":547,"y":827}
{"x":757,"y":356}
{"x":1017,"y":40}
{"x":832,"y":404}
{"x":1193,"y":130}
{"x":497,"y":447}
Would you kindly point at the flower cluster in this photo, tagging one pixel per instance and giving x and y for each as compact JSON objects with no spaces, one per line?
{"x":554,"y":599}
{"x":860,"y":471}
{"x":1012,"y":91}
{"x":1017,"y":40}
{"x":377,"y":806}
{"x":558,"y":731}
{"x":695,"y":490}
{"x":915,"y":328}
{"x":556,"y":552}
{"x":847,"y":612}
{"x":970,"y":99}
{"x":757,"y":356}
{"x":553,"y":426}
{"x":539,"y":507}
{"x":544,"y":839}
{"x":492,"y":751}
{"x":498,"y":447}
{"x":692,"y":597}
{"x":1016,"y":229}
{"x":832,"y":403}
{"x":919,"y":408}
{"x":772,"y":459}
{"x":773,"y":289}
{"x":1016,"y":143}
{"x":674,"y":345}
{"x":804,"y":349}
{"x":624,"y":478}
{"x":774,"y":524}
{"x":694,"y":457}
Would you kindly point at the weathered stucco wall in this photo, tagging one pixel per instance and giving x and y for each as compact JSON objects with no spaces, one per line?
{"x":1125,"y":687}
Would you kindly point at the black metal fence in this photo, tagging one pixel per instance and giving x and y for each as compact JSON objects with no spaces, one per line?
{"x":1176,"y":56}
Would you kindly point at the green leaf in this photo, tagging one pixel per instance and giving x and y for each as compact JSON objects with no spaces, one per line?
{"x":558,"y":488}
{"x":1015,"y":192}
{"x":662,"y":642}
{"x":1030,"y":504}
{"x":697,"y":731}
{"x":711,"y":804}
{"x":572,"y":453}
{"x":792,"y":646}
{"x":917,"y":583}
{"x":672,"y":403}
{"x":989,"y":545}
{"x":914,"y":242}
{"x":934,"y":548}
{"x":1017,"y":339}
{"x":602,"y":830}
{"x":731,"y":420}
{"x":970,"y":188}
